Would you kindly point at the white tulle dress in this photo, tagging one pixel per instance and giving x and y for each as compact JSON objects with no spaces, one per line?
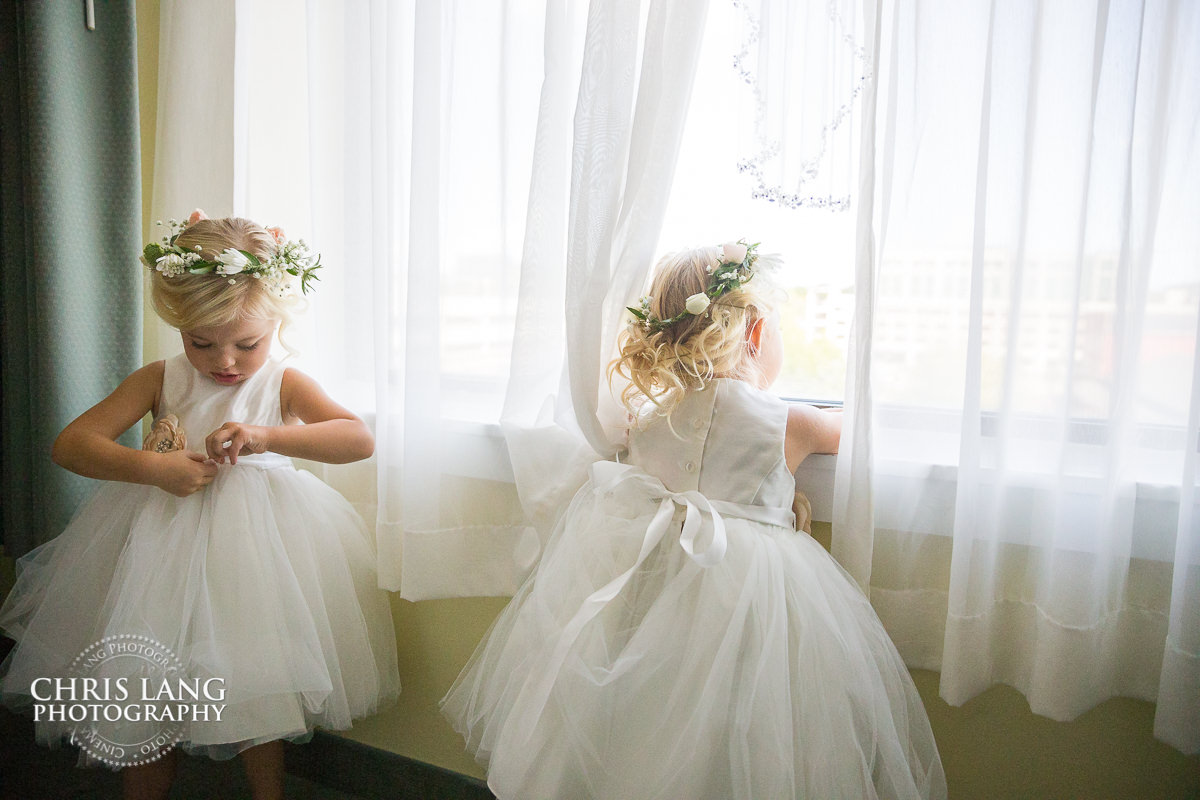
{"x":264,"y":579}
{"x":680,"y":640}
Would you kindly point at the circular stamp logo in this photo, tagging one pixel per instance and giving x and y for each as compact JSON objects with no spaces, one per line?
{"x":126,"y":700}
{"x":126,"y":673}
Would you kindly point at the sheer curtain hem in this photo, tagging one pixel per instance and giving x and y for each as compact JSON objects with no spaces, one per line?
{"x":1055,"y":666}
{"x":1179,"y":700}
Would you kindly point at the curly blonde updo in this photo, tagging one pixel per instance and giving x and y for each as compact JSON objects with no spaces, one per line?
{"x":661,"y":365}
{"x":191,"y":301}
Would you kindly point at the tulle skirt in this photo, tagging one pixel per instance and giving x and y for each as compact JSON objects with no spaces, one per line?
{"x":767,"y":675}
{"x":265,"y":580}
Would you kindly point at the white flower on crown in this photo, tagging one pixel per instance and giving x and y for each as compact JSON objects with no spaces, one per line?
{"x":697,"y":303}
{"x":231,"y":262}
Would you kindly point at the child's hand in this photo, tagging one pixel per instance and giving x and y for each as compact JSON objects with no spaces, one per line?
{"x":235,"y":439}
{"x":183,"y":472}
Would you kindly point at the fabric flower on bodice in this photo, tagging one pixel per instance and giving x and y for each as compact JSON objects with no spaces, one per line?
{"x":166,"y":435}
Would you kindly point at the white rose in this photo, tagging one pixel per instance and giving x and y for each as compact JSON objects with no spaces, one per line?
{"x":697,"y":303}
{"x":231,"y":262}
{"x":733,"y":252}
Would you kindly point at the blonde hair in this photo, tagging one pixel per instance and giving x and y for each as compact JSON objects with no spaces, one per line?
{"x":661,"y":365}
{"x":191,"y":301}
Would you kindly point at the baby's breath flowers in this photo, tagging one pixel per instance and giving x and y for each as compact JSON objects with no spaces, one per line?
{"x":173,"y":264}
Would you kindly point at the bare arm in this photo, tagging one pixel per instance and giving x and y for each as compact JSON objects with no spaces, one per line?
{"x":88,"y":445}
{"x":810,"y":430}
{"x":330,"y":433}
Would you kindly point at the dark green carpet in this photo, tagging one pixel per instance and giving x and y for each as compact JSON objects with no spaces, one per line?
{"x":327,"y":768}
{"x":30,"y":772}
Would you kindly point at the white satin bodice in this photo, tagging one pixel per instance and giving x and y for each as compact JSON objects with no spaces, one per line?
{"x":725,"y":441}
{"x":203,"y":405}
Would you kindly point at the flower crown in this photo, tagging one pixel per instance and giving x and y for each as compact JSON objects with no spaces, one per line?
{"x":735,"y":268}
{"x":289,"y":261}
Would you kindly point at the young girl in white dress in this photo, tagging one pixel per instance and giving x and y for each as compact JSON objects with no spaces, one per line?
{"x":679,"y":638}
{"x":210,"y":542}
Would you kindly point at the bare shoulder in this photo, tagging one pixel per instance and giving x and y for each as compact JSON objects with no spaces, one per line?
{"x":302,"y":398}
{"x":144,"y":385}
{"x":294,"y":378}
{"x":293,"y":387}
{"x":297,"y":384}
{"x":151,"y":373}
{"x":810,"y":430}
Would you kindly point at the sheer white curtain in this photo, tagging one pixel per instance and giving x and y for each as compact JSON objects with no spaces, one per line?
{"x":477,"y":159}
{"x":623,"y":148}
{"x":422,"y":117}
{"x":1017,"y":482}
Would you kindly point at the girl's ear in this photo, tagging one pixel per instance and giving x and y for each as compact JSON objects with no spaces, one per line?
{"x":754,"y":334}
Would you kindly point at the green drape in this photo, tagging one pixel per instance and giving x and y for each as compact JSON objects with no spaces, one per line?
{"x":70,"y":206}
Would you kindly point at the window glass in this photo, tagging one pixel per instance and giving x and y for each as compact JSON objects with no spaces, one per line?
{"x":711,"y":203}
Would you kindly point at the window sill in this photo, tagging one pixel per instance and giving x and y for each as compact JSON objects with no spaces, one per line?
{"x":477,"y":450}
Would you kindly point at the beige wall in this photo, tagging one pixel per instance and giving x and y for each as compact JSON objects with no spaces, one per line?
{"x":147,"y":51}
{"x":992,"y":747}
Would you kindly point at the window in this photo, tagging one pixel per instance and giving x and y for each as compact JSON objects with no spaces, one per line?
{"x":490,"y":157}
{"x":711,"y":202}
